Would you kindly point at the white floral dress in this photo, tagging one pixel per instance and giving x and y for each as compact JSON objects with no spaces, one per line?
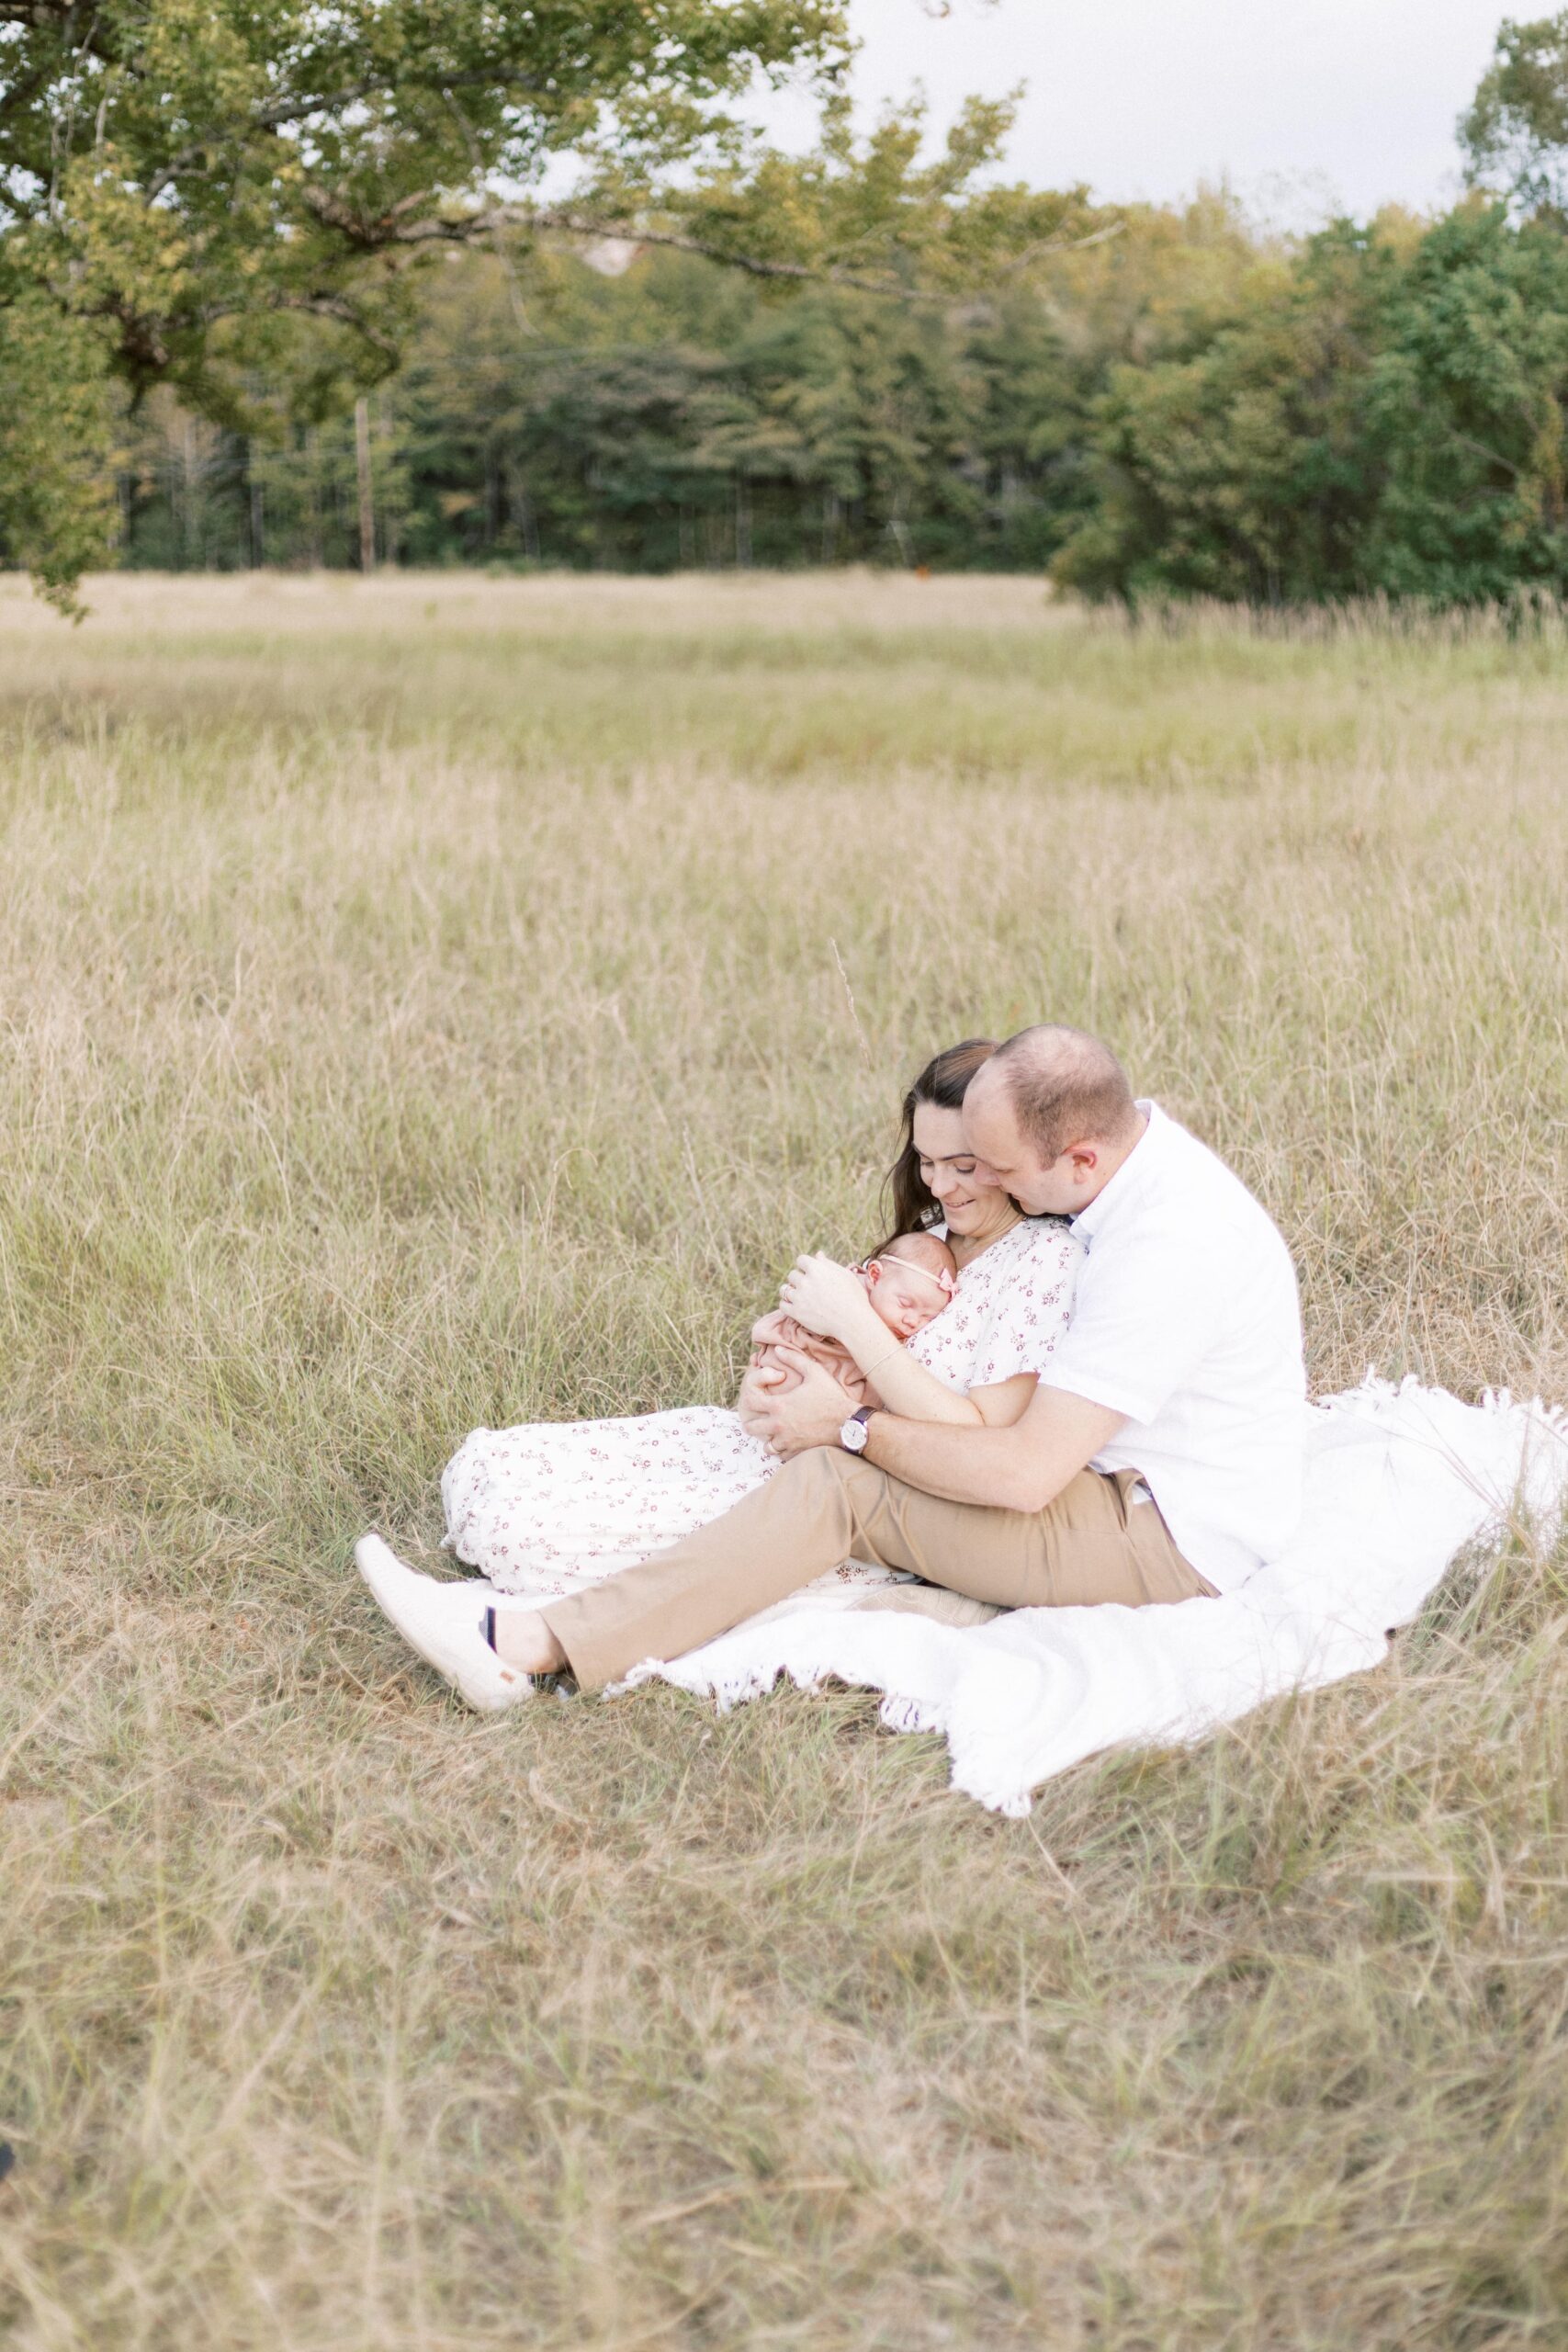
{"x":551,"y":1506}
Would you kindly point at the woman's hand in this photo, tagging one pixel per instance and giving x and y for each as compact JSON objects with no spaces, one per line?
{"x":827,"y":1297}
{"x":758,"y":1391}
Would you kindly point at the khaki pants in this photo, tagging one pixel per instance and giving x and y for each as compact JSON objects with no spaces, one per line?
{"x":1092,"y":1543}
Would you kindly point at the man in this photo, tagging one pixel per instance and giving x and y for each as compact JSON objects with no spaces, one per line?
{"x":1162,"y":1463}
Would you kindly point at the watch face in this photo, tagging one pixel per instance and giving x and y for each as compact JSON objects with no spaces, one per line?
{"x":852,"y":1437}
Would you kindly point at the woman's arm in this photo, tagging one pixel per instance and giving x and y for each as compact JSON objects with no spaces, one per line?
{"x":909,"y":1389}
{"x":828,"y":1297}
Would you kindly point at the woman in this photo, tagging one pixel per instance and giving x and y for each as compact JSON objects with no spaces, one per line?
{"x":546,"y":1509}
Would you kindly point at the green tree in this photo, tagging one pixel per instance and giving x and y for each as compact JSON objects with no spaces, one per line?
{"x":234,"y":198}
{"x":211,"y":193}
{"x":1515,"y":132}
{"x":1233,"y":463}
{"x":57,"y":442}
{"x":1465,"y":415}
{"x":1383,"y":413}
{"x":683,"y":414}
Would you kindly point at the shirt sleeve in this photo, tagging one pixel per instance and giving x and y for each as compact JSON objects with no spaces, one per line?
{"x":1030,"y":1313}
{"x":1145,"y":1315}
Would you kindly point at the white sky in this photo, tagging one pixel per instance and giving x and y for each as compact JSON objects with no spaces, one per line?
{"x":1308,"y":106}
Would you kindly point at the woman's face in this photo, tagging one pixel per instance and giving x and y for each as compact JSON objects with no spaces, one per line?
{"x":949,"y":1171}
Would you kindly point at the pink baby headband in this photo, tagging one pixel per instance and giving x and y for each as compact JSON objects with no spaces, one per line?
{"x":947,"y":1283}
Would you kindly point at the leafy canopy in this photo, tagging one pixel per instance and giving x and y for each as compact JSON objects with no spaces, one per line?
{"x":202,"y":192}
{"x":1382,"y":414}
{"x":234,"y":198}
{"x":1515,"y":132}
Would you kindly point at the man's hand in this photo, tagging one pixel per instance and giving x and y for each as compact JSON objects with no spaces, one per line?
{"x":827,"y":1297}
{"x":811,"y":1413}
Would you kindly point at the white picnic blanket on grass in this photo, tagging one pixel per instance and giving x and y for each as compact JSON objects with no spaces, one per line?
{"x":1399,"y":1480}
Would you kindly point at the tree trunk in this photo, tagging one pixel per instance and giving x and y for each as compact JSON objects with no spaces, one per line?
{"x":193,"y":518}
{"x":521,"y":508}
{"x":492,"y":496}
{"x":367,"y":487}
{"x":258,"y":535}
{"x":313,"y":496}
{"x":391,"y":522}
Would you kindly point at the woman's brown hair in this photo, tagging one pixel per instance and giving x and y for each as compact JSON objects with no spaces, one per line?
{"x":944,"y":1081}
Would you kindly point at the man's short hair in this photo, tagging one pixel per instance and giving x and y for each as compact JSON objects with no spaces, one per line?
{"x":1065,"y":1088}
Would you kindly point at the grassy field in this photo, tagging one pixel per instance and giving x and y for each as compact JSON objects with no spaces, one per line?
{"x":445,"y":1001}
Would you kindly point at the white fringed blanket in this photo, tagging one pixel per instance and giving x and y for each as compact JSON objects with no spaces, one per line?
{"x":1398,"y":1481}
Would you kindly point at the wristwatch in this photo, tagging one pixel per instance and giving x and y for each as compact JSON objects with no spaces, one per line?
{"x":852,"y":1437}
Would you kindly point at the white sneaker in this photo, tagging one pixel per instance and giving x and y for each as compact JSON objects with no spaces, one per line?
{"x":445,"y":1622}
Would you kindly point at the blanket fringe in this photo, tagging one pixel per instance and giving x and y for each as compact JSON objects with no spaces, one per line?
{"x":1375,"y":1395}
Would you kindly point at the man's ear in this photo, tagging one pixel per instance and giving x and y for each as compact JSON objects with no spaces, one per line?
{"x":1085,"y":1158}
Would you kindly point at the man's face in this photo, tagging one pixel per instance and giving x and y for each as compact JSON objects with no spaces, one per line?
{"x":1004,"y":1156}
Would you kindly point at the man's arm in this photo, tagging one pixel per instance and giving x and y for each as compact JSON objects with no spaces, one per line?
{"x":1021,"y":1468}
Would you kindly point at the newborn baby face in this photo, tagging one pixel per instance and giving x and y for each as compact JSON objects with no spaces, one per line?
{"x":906,"y":1296}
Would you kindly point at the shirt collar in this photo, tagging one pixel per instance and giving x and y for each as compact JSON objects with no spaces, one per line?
{"x":1131,"y":1178}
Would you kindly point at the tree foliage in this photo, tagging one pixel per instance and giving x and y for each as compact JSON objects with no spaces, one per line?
{"x":1515,"y":131}
{"x":212,"y":192}
{"x":1382,"y":414}
{"x":871,"y":351}
{"x":680,"y":414}
{"x":1186,"y":409}
{"x":237,"y":201}
{"x":57,"y":439}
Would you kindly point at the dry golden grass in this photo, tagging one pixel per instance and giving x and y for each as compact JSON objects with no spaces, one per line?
{"x":425,"y":1003}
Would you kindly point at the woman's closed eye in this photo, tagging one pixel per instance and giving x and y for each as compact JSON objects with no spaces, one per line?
{"x":959,"y":1168}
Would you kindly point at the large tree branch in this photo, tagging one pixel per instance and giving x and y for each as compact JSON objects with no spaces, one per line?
{"x":334,"y":306}
{"x":572,"y":225}
{"x":470,"y":227}
{"x":145,"y":339}
{"x":759,"y":266}
{"x":1060,"y":245}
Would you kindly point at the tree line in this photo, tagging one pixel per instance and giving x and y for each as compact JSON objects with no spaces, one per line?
{"x":260,"y":304}
{"x":1188,"y":407}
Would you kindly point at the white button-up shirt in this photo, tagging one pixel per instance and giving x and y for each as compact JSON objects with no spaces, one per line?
{"x":1187,"y":1319}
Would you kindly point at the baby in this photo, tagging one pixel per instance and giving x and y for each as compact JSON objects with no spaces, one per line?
{"x":909,"y":1283}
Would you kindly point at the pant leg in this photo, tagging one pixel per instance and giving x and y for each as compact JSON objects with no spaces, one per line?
{"x":826,"y":1506}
